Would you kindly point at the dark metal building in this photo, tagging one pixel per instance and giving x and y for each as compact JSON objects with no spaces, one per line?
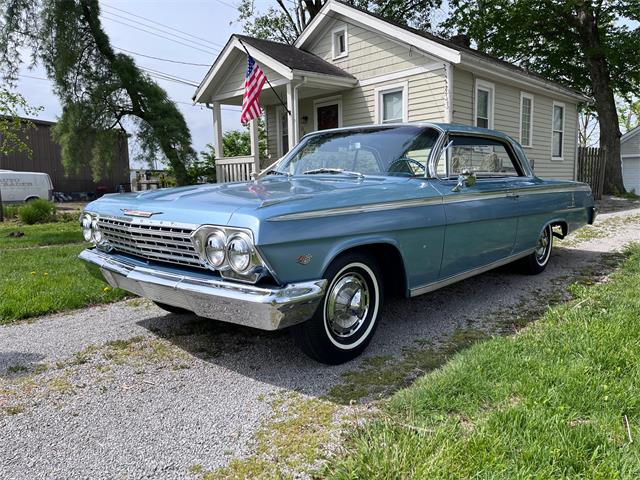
{"x":46,"y":158}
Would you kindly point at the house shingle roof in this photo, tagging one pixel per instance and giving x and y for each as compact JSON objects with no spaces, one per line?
{"x":293,"y":57}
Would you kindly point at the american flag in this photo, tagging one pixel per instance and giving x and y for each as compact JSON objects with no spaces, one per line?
{"x":253,"y":83}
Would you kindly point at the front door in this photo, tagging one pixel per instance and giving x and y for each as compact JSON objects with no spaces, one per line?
{"x":327,"y":116}
{"x":482,"y":219}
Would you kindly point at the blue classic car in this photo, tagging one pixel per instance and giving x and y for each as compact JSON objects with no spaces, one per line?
{"x":347,"y":216}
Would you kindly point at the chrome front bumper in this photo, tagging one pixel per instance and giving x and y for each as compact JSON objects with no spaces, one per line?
{"x":259,"y":307}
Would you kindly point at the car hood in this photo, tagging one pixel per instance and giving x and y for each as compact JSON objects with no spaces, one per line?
{"x":218,"y":203}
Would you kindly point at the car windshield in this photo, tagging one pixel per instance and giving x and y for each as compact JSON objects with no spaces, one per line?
{"x":389,"y":151}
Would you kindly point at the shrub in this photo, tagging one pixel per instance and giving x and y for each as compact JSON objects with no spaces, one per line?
{"x":67,"y":217}
{"x":10,"y":211}
{"x":37,"y":211}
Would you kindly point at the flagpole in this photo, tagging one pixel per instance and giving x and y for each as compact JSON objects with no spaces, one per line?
{"x":267,"y":79}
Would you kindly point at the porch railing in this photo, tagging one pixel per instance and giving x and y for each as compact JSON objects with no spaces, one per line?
{"x":234,"y":169}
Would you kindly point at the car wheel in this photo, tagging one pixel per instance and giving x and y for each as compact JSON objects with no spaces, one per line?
{"x":172,"y":309}
{"x":348,"y":315}
{"x":539,"y":259}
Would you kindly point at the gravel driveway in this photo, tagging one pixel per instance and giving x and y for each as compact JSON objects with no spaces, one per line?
{"x":128,"y":391}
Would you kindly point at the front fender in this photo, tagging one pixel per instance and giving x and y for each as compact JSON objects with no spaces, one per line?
{"x":351,"y":243}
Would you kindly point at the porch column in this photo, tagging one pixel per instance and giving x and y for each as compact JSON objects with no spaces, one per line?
{"x":217,"y":129}
{"x":255,"y":148}
{"x":291,"y":106}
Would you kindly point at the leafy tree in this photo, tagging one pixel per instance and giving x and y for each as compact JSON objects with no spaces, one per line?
{"x":101,"y":91}
{"x":587,"y":128}
{"x":588,"y":45}
{"x":629,"y":113}
{"x":289,"y":18}
{"x":235,"y":143}
{"x":13,"y":129}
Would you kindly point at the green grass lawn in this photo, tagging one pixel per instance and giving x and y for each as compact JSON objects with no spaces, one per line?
{"x":548,"y":402}
{"x":39,"y":235}
{"x":38,"y":275}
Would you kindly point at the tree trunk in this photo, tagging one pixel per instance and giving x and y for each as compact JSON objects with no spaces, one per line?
{"x":605,"y":101}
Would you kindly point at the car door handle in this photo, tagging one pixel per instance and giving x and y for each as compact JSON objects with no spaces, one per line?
{"x":512,"y":195}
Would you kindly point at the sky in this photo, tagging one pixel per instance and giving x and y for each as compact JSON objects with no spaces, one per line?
{"x":213,"y":21}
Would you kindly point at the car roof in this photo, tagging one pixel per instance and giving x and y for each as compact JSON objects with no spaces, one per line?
{"x":443,"y":127}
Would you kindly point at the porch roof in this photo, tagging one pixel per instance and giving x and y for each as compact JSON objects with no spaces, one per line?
{"x":288,"y":61}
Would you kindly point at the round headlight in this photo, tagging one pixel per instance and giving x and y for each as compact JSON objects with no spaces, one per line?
{"x":214,"y":249}
{"x":96,"y":233}
{"x":86,"y":221}
{"x":239,"y":253}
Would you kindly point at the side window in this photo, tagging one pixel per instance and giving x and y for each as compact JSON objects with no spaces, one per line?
{"x":484,"y":104}
{"x":485,"y":157}
{"x":557,"y":140}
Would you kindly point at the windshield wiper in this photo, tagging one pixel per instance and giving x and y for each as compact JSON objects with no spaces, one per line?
{"x":276,"y":172}
{"x":333,"y":171}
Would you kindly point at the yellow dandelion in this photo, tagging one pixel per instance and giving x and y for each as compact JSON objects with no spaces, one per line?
{"x":46,"y":274}
{"x":106,"y":289}
{"x":33,"y":273}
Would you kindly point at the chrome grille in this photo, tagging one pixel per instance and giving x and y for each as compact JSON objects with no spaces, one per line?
{"x":152,"y":242}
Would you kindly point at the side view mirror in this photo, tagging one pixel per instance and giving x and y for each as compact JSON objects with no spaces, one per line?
{"x":466,"y":178}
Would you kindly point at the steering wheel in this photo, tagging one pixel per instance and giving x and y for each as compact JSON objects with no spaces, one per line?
{"x":406,"y":160}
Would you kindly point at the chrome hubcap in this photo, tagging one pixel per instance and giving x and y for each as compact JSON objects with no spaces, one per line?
{"x":347,"y":304}
{"x":543,"y":247}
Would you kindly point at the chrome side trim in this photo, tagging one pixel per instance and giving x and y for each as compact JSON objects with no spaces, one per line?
{"x":472,"y":197}
{"x":552,"y":189}
{"x":414,"y":292}
{"x":266,"y":308}
{"x":372,"y":207}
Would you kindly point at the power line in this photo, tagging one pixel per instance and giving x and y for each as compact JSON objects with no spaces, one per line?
{"x":31,"y":76}
{"x":180,"y":37}
{"x":210,"y":52}
{"x":222,"y":2}
{"x":172,"y":76}
{"x":163,"y":59}
{"x":228,"y":108}
{"x":161,"y":24}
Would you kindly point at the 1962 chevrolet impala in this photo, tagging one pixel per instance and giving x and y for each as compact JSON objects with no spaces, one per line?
{"x":347,"y":215}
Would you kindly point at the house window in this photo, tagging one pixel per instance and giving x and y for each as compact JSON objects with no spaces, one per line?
{"x":339,"y":42}
{"x":526,"y":119}
{"x":557,"y":140}
{"x":391,"y":104}
{"x":484,"y":104}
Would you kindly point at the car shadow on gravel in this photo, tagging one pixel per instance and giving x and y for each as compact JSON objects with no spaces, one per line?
{"x":473,"y":304}
{"x":17,"y":364}
{"x":610,"y":204}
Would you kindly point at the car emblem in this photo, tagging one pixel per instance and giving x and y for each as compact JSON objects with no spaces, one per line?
{"x":305,"y":259}
{"x":138,"y":213}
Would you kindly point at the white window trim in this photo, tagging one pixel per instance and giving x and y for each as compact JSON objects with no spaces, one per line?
{"x":279,"y":150}
{"x":529,"y":142}
{"x":341,"y":28}
{"x":326,"y":102}
{"x":396,"y":87}
{"x":564,"y":118}
{"x":490,"y":87}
